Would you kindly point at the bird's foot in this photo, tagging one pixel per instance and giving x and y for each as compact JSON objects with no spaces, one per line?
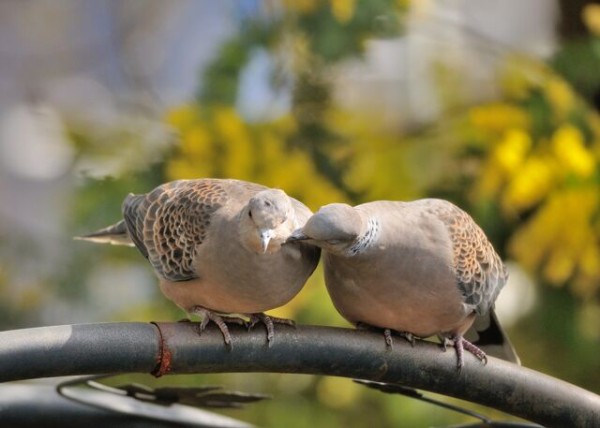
{"x":411,"y":338}
{"x":387,"y":334}
{"x":269,"y":322}
{"x":460,"y":345}
{"x":220,"y":320}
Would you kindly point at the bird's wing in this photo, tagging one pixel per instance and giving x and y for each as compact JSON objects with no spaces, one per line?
{"x":479,"y":271}
{"x":169,"y":223}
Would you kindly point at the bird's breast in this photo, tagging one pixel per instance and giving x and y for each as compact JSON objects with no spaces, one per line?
{"x":235,"y":280}
{"x":415,"y":292}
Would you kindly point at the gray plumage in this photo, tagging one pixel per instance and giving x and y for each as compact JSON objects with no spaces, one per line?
{"x":423,"y":267}
{"x":216,"y":245}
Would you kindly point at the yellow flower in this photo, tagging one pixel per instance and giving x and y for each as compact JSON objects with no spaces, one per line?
{"x":229,"y":125}
{"x":531,"y":183}
{"x":568,"y":146}
{"x":559,"y":267}
{"x":489,"y":182}
{"x":560,"y":95}
{"x":182,"y":117}
{"x":195,"y":142}
{"x":590,"y":260}
{"x":497,"y":117}
{"x":184,"y":168}
{"x":511,"y":151}
{"x":591,"y":18}
{"x":559,"y":241}
{"x":343,"y":10}
{"x":530,"y":243}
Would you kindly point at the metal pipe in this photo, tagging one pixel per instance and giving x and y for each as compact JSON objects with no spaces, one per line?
{"x":176,"y":348}
{"x":78,"y":349}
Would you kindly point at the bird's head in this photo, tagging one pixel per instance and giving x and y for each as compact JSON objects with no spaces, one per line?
{"x":270,"y":217}
{"x":334,"y":228}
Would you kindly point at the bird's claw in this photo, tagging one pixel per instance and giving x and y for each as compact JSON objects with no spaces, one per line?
{"x":411,"y":338}
{"x":220,"y":321}
{"x":269,"y":322}
{"x":460,"y":345}
{"x":387,"y":335}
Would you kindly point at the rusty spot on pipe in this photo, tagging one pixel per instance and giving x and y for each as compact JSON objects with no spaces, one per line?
{"x":164,"y":357}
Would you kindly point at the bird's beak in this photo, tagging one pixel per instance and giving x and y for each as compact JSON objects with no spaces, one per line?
{"x":265,"y":238}
{"x":297,"y":235}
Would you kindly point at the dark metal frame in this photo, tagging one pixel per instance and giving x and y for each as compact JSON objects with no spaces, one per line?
{"x":176,"y":348}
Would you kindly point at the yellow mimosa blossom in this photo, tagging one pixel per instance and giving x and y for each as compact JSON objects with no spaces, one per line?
{"x":221,"y":144}
{"x":530,"y":184}
{"x":512,"y":149}
{"x":591,"y":17}
{"x":229,"y":125}
{"x":186,"y":167}
{"x":560,"y":95}
{"x":558,"y":239}
{"x":196,"y":141}
{"x":559,"y":267}
{"x":497,"y":117}
{"x":182,"y":117}
{"x":490,"y":181}
{"x":343,"y":10}
{"x":590,"y":259}
{"x":568,"y":146}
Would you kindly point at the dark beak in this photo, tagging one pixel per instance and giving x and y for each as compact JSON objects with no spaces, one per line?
{"x":297,"y":235}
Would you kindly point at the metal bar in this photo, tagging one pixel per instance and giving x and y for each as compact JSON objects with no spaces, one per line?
{"x":78,"y":349}
{"x":36,"y":404}
{"x":176,"y":348}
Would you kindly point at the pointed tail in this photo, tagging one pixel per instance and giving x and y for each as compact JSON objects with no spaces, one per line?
{"x":115,"y":234}
{"x":491,"y":337}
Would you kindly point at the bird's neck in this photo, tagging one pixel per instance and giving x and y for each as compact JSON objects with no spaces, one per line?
{"x":366,"y":239}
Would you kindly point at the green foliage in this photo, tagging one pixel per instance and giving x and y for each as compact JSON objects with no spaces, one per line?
{"x":337,"y":30}
{"x":585,"y":53}
{"x":221,"y":77}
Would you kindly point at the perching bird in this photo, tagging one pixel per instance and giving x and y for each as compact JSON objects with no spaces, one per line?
{"x":217,"y":247}
{"x":420,"y":268}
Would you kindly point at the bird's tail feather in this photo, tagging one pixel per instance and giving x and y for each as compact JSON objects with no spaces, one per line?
{"x":115,"y":234}
{"x":488,"y":334}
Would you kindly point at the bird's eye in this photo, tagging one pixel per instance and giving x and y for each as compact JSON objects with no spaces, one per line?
{"x":250,"y":214}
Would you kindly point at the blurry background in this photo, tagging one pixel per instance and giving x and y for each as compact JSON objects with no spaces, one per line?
{"x":490,"y":104}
